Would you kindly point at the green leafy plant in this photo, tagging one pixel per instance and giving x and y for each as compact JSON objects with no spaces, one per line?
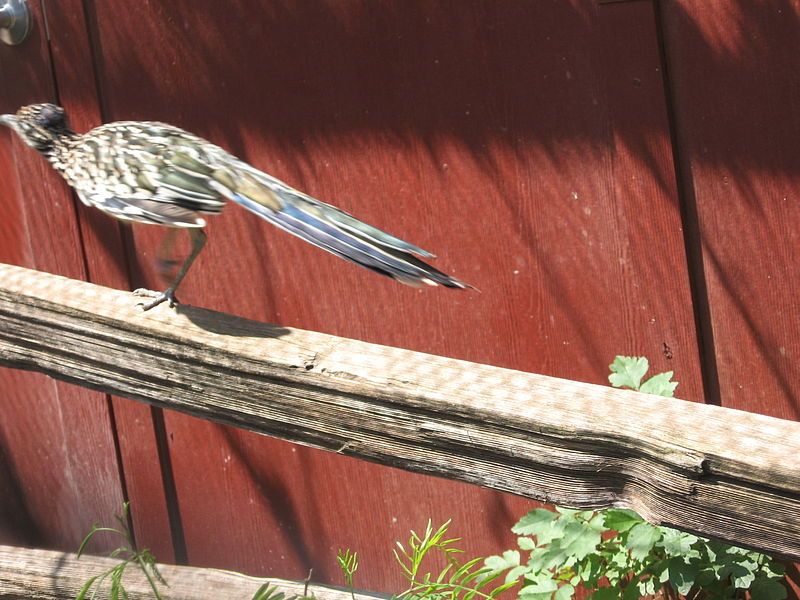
{"x":128,"y":554}
{"x":618,"y":555}
{"x":456,"y":581}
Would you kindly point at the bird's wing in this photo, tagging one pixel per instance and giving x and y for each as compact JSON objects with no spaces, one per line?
{"x":143,"y":210}
{"x":148,"y":172}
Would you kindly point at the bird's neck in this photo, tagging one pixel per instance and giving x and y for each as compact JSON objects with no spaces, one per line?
{"x":57,"y":152}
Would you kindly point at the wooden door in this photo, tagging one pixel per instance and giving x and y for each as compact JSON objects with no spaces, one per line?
{"x":526,"y":143}
{"x":59,"y":468}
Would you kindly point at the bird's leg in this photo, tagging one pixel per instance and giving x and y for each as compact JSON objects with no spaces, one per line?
{"x":166,"y":266}
{"x":166,"y":262}
{"x":198,"y":238}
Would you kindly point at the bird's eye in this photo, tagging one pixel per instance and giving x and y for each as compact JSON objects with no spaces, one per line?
{"x":50,"y":116}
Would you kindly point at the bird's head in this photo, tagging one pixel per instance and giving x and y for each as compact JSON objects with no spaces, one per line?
{"x":39,"y":125}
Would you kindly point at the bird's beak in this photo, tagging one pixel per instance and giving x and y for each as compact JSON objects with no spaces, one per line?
{"x":8,"y":120}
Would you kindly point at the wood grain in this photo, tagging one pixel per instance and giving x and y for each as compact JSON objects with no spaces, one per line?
{"x":566,"y":442}
{"x":46,"y":575}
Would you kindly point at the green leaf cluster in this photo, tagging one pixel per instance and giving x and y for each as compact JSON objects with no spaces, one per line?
{"x":618,"y":556}
{"x":348,"y":563}
{"x":628,"y":371}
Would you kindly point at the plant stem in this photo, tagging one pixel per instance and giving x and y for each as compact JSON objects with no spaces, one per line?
{"x":152,"y":583}
{"x":415,"y":586}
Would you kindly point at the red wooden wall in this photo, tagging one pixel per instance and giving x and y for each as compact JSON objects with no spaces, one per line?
{"x":615,"y":178}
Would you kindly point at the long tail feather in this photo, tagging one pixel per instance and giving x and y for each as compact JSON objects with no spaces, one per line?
{"x":339,"y":233}
{"x":334,"y":214}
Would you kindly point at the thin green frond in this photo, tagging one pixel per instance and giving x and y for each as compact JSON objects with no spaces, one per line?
{"x":268,"y":592}
{"x":85,"y":588}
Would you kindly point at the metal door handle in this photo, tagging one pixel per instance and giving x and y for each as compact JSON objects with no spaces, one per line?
{"x":15,"y":21}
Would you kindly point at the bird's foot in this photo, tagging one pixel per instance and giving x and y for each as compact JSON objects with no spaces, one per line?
{"x":167,"y":295}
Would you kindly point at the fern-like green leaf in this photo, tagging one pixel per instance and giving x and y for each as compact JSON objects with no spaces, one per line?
{"x":86,"y":539}
{"x":502,"y":588}
{"x":116,"y":581}
{"x":465,"y":571}
{"x":482,"y":577}
{"x":268,"y":592}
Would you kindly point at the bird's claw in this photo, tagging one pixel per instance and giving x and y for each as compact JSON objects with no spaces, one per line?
{"x":167,"y":295}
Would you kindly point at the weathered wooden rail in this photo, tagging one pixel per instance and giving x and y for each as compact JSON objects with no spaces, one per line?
{"x":48,"y":575}
{"x":718,"y":472}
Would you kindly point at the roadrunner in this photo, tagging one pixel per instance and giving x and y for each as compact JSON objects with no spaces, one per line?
{"x":149,"y":172}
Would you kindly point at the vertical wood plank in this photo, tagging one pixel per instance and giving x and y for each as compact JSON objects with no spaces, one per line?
{"x":103,"y":242}
{"x":735,"y":97}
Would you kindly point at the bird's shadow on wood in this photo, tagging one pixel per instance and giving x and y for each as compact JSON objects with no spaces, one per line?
{"x":229,"y":325}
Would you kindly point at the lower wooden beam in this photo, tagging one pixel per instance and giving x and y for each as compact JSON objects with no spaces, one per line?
{"x":46,"y":575}
{"x":718,"y":472}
